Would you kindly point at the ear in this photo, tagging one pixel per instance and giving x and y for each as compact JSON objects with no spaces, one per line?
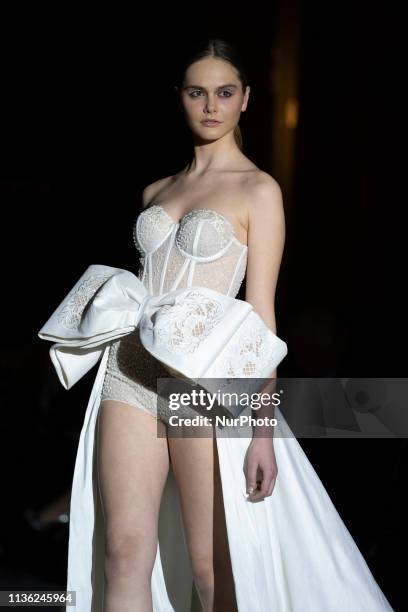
{"x":246,"y":98}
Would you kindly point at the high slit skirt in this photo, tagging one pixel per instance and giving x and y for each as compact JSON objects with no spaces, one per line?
{"x":290,"y":552}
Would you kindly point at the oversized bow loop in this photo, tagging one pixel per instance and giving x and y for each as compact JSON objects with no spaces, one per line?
{"x":195,"y":332}
{"x":105,"y":304}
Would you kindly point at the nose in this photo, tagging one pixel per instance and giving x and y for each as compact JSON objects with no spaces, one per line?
{"x":210,"y":106}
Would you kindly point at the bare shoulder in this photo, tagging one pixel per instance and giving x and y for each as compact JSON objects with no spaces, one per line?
{"x":266,"y":239}
{"x":263,"y":193}
{"x":151,"y":191}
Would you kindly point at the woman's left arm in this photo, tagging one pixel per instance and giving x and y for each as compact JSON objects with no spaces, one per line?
{"x":266,"y":239}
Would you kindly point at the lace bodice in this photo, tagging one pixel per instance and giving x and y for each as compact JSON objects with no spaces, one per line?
{"x":200,"y":250}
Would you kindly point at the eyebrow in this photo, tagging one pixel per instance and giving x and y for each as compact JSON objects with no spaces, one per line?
{"x":201,"y":87}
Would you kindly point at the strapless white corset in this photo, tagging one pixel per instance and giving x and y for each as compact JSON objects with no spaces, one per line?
{"x":200,"y":250}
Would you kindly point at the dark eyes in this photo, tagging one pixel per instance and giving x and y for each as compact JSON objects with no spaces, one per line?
{"x":225,"y":91}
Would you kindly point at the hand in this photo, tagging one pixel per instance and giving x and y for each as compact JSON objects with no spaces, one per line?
{"x":260,"y":468}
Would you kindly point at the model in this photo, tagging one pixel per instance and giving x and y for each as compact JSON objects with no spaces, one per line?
{"x":153,"y":514}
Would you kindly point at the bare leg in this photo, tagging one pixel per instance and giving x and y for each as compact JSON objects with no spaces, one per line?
{"x":133,"y":463}
{"x":196,"y":469}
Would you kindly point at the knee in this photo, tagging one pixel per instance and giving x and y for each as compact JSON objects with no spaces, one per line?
{"x":128,"y":556}
{"x":203,"y":573}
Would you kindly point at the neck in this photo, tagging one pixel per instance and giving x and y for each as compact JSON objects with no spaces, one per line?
{"x":213,"y":156}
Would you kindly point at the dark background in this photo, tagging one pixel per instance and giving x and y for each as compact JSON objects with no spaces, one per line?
{"x":89,"y":118}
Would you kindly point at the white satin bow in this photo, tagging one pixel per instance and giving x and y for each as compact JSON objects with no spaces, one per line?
{"x":195,"y":332}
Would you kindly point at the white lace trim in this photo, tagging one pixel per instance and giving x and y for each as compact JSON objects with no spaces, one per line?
{"x":249,"y":354}
{"x":70,"y":315}
{"x":183,"y":326}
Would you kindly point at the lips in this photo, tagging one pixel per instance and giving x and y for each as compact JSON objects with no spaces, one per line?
{"x":210,"y":122}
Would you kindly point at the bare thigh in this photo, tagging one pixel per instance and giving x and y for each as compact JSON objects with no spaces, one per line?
{"x":196,"y":469}
{"x":133,"y":464}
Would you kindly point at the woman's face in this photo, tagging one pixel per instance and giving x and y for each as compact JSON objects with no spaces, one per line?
{"x":212,"y":90}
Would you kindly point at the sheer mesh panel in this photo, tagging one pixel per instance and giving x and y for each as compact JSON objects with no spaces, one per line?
{"x":219,"y":273}
{"x":176,"y":261}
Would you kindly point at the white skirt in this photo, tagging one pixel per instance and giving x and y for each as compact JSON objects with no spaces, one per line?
{"x":290,"y":552}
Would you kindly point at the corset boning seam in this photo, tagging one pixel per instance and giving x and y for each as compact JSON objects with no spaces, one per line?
{"x":185,"y":265}
{"x":143,"y":280}
{"x":197,"y":237}
{"x":196,"y":241}
{"x":237,"y":267}
{"x":191,"y":271}
{"x":166,"y":260}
